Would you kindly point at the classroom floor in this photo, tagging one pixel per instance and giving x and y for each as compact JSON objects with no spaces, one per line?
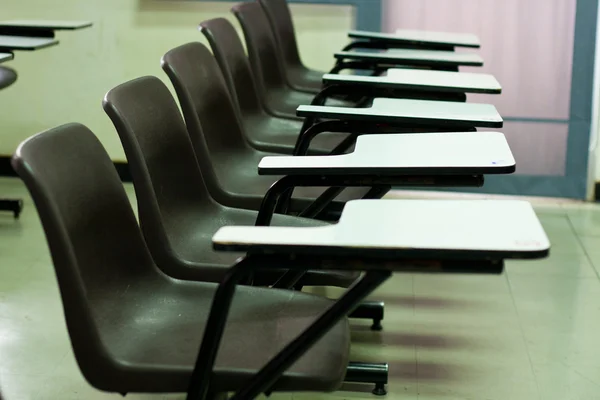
{"x":531,"y":333}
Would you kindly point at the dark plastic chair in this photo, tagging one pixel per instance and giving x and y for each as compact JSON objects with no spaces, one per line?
{"x":280,"y":99}
{"x":217,"y":134}
{"x":177,"y":215}
{"x":297,"y":74}
{"x":263,"y":130}
{"x":134,"y":329}
{"x":8,"y":76}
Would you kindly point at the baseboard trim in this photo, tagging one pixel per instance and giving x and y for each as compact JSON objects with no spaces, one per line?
{"x":7,"y":170}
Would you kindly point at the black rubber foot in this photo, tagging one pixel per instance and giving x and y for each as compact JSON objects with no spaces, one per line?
{"x":18,"y":209}
{"x":379,"y":390}
{"x":377,"y":325}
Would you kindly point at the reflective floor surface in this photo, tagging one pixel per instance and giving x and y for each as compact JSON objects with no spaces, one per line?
{"x":532,"y":333}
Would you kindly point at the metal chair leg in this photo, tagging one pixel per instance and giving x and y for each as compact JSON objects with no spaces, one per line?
{"x":376,"y":373}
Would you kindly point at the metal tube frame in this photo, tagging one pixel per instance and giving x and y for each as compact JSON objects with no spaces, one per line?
{"x":382,"y":44}
{"x":377,"y":271}
{"x":279,"y":188}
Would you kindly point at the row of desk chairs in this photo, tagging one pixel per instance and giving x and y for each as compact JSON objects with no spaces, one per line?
{"x":26,"y":35}
{"x":161,"y":309}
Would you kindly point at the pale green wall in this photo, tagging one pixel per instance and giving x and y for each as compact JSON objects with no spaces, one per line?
{"x":66,"y":83}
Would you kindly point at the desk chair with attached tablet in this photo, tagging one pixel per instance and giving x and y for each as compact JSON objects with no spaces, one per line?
{"x":177,"y":217}
{"x":379,"y":238}
{"x":177,"y":214}
{"x":302,"y":78}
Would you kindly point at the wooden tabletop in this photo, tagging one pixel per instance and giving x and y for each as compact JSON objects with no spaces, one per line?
{"x":448,"y":153}
{"x":396,"y":229}
{"x":420,"y":37}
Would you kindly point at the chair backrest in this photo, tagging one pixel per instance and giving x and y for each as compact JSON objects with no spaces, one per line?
{"x":231,"y":57}
{"x":282,"y":24}
{"x":207,"y":107}
{"x":96,"y":245}
{"x":260,"y":42}
{"x":170,"y":189}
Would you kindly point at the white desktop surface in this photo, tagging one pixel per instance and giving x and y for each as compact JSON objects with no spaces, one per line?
{"x":420,"y":78}
{"x":452,"y":38}
{"x":46,"y":24}
{"x":431,"y":153}
{"x":407,"y":225}
{"x":26,"y":42}
{"x":406,"y":109}
{"x":446,"y":57}
{"x":5,"y":57}
{"x":423,"y":37}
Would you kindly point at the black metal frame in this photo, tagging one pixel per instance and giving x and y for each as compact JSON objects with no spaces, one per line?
{"x":380,"y":185}
{"x":383,"y":44}
{"x":376,"y":271}
{"x":13,"y":205}
{"x":267,"y":377}
{"x":378,"y":67}
{"x":27,"y":31}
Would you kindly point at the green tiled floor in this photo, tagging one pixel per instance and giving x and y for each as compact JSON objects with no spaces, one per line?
{"x":531,"y":333}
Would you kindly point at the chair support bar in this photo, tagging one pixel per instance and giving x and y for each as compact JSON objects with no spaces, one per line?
{"x":273,"y":195}
{"x":312,"y":127}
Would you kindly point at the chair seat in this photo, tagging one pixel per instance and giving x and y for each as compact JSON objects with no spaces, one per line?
{"x":287,"y":101}
{"x":242,"y":187}
{"x":8,"y":76}
{"x":305,"y":79}
{"x":156,"y":335}
{"x":196,"y":259}
{"x":279,"y":135}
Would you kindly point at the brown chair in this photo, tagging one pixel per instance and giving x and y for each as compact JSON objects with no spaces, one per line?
{"x":298,"y":76}
{"x":134,"y":329}
{"x":177,"y":215}
{"x":217,"y":134}
{"x":279,"y":98}
{"x":263,"y":130}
